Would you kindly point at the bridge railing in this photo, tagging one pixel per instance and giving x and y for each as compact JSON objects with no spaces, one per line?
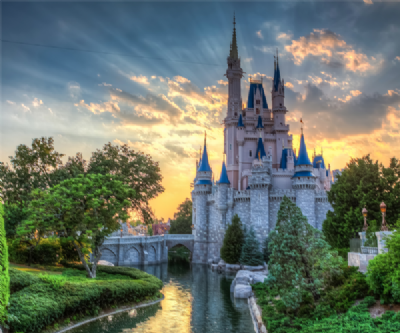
{"x":173,"y":237}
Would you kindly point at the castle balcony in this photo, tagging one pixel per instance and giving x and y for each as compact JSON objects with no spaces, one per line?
{"x":303,"y":183}
{"x":278,"y":194}
{"x":241,"y":195}
{"x":281,"y":127}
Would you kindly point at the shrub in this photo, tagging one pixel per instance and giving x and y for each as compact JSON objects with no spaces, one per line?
{"x":4,"y":277}
{"x":251,"y":254}
{"x":266,"y":251}
{"x":47,"y":252}
{"x":233,"y":242}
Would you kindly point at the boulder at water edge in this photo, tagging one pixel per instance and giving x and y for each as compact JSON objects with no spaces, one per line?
{"x":242,"y":291}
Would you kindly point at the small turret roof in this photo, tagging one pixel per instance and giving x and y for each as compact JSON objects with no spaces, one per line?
{"x":240,"y":121}
{"x":318,"y":162}
{"x":204,"y":165}
{"x":277,"y":77}
{"x":285,"y":153}
{"x":253,"y":88}
{"x":260,"y":149}
{"x":260,"y":124}
{"x":303,"y":158}
{"x":223,"y":179}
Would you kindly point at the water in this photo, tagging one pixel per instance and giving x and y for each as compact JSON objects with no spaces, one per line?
{"x":197,"y":300}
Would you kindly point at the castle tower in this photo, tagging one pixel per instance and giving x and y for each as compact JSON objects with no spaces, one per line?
{"x":234,"y":73}
{"x":222,"y":207}
{"x":304,"y":182}
{"x":259,"y":183}
{"x":279,"y":110}
{"x":202,"y":188}
{"x":240,"y":143}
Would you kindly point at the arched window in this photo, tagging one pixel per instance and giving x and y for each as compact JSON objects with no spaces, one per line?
{"x":250,"y":153}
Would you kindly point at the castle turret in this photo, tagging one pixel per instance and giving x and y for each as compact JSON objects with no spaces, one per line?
{"x":222,"y":206}
{"x":240,"y":143}
{"x":202,"y":188}
{"x":304,"y":182}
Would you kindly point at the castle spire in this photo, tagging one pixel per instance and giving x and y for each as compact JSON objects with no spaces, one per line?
{"x":223,"y":179}
{"x":204,"y":165}
{"x":234,"y":50}
{"x":303,"y":155}
{"x":277,"y":72}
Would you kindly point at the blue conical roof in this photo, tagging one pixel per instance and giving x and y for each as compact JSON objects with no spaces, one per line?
{"x":303,"y":156}
{"x":285,"y":153}
{"x":277,"y":77}
{"x":260,"y":148}
{"x":253,"y":88}
{"x":223,"y":179}
{"x":240,"y":122}
{"x":204,"y":166}
{"x":318,"y":162}
{"x":259,"y":124}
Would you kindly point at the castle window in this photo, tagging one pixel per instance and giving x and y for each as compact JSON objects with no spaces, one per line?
{"x":250,"y":153}
{"x":230,"y":147}
{"x":235,"y":114}
{"x":280,"y":104}
{"x":257,"y":111}
{"x":257,"y":101}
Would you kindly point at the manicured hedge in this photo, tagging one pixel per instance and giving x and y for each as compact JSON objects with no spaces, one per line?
{"x":41,"y":303}
{"x":20,"y":280}
{"x":133,"y":273}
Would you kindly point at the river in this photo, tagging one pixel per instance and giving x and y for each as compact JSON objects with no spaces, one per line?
{"x":197,"y":300}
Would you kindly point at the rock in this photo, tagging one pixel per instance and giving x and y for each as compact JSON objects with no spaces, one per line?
{"x":214,"y":266}
{"x":243,"y":277}
{"x":231,"y":267}
{"x":242,"y":291}
{"x":216,"y":260}
{"x":233,"y":284}
{"x":222,"y":263}
{"x":210,"y":261}
{"x":104,"y":263}
{"x":259,"y":278}
{"x":253,"y":268}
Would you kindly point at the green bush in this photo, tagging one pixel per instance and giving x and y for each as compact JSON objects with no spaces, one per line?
{"x":47,"y":252}
{"x":251,"y":254}
{"x":233,"y":242}
{"x":4,"y":275}
{"x":48,"y":298}
{"x":68,"y":251}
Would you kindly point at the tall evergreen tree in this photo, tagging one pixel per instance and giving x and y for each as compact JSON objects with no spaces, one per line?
{"x":4,"y":277}
{"x":266,"y":251}
{"x":301,"y":262}
{"x":251,"y":254}
{"x":233,"y":242}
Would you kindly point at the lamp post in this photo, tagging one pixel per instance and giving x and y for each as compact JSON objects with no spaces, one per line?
{"x":365,"y":212}
{"x":383,"y":210}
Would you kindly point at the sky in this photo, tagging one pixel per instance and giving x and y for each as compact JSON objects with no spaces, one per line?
{"x":151,"y":75}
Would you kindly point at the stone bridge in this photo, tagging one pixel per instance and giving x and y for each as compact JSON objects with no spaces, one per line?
{"x":142,"y":250}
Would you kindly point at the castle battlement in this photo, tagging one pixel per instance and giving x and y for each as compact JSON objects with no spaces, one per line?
{"x":241,"y":195}
{"x":282,"y":172}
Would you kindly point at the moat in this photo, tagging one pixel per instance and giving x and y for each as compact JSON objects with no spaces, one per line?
{"x":197,"y":300}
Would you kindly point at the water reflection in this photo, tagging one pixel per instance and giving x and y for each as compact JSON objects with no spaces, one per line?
{"x":197,"y":300}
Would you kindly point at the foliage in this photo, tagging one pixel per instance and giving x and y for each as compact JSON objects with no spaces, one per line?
{"x":14,"y":213}
{"x":371,"y":239}
{"x":150,"y":230}
{"x":337,"y":298}
{"x":301,"y":262}
{"x":20,"y":280}
{"x":383,"y":272}
{"x":362,"y":183}
{"x":4,"y":275}
{"x":266,"y":251}
{"x":233,"y":242}
{"x":179,"y":254}
{"x":135,"y":169}
{"x":182,"y":223}
{"x":84,"y":210}
{"x":51,"y":298}
{"x":251,"y":254}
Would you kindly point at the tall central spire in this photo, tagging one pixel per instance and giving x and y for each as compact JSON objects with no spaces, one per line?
{"x":234,"y":50}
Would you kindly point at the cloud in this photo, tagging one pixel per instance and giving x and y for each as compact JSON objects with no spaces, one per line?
{"x":397,"y":58}
{"x":140,"y":79}
{"x":355,"y":92}
{"x":289,"y":85}
{"x":74,"y":89}
{"x":105,"y":84}
{"x":36,"y":102}
{"x":10,"y":102}
{"x":222,"y":82}
{"x":247,"y":59}
{"x":332,"y":50}
{"x":178,"y":150}
{"x":368,"y":2}
{"x":265,"y":49}
{"x":284,"y":35}
{"x":26,"y":109}
{"x":259,"y":34}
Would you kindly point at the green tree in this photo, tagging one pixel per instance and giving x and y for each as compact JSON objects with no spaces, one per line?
{"x":362,"y":183}
{"x":266,"y":251}
{"x":182,"y":223}
{"x":251,"y":254}
{"x":84,"y":210}
{"x":233,"y":242}
{"x":4,"y":277}
{"x":133,"y":168}
{"x":301,"y":262}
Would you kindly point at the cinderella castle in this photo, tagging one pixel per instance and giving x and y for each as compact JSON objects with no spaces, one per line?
{"x":261,"y":167}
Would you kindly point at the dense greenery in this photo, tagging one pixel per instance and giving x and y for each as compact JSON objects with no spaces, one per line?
{"x":266,"y":251}
{"x":383,"y":272}
{"x":371,"y":239}
{"x":4,"y":276}
{"x":182,"y":223}
{"x":251,"y":254}
{"x":233,"y":242}
{"x":84,"y":210}
{"x":301,"y":262}
{"x":362,"y":183}
{"x":179,"y":254}
{"x":336,"y":298}
{"x":40,"y":301}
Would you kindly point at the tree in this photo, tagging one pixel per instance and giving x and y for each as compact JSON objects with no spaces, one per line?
{"x":233,"y":241}
{"x":84,"y":210}
{"x":362,"y":183}
{"x":182,"y":223}
{"x":266,"y":251}
{"x":4,"y":277}
{"x":135,"y":169}
{"x":301,"y":262}
{"x":251,"y":254}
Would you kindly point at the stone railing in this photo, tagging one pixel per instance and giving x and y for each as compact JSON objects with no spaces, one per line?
{"x":369,"y":250}
{"x":187,"y":236}
{"x":241,"y":195}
